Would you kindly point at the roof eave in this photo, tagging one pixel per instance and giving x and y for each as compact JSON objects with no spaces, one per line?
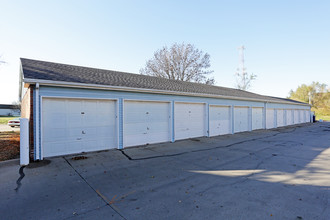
{"x":143,"y":90}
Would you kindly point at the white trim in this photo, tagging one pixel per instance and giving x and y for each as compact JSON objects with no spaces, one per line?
{"x":207,"y":119}
{"x":41,"y":129}
{"x":146,"y":100}
{"x":37,"y":125}
{"x":117,"y":122}
{"x":250,"y":118}
{"x":123,"y":123}
{"x":232,"y":118}
{"x":190,"y":102}
{"x":219,"y":105}
{"x":241,"y":106}
{"x":120,"y":88}
{"x":73,"y":97}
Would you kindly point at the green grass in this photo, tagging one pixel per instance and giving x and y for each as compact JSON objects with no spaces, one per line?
{"x":323,"y":117}
{"x":4,"y":120}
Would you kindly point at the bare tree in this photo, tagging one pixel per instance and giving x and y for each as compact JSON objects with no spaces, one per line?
{"x":243,"y":79}
{"x":180,"y":62}
{"x":17,"y":106}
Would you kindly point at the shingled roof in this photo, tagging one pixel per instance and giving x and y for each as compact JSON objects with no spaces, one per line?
{"x":42,"y":70}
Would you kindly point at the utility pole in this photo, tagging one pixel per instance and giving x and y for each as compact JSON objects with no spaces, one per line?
{"x":309,"y":98}
{"x":241,"y":70}
{"x":243,"y":78}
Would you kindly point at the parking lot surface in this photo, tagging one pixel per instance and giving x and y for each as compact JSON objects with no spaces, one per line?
{"x":281,"y":173}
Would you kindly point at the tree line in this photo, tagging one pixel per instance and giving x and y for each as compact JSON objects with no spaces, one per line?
{"x":317,"y":94}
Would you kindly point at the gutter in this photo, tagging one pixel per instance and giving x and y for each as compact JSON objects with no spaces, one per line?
{"x":130,"y":89}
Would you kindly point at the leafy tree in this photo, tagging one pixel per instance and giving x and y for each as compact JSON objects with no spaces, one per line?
{"x":180,"y":62}
{"x":318,"y":94}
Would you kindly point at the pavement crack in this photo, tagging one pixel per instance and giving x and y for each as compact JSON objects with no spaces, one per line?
{"x":22,"y":175}
{"x":207,"y":149}
{"x":126,"y":155}
{"x":153,"y":157}
{"x":96,"y":191}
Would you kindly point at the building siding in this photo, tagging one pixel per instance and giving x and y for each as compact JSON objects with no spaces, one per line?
{"x":48,"y":91}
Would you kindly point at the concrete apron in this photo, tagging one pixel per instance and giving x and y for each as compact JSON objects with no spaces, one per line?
{"x":275,"y":174}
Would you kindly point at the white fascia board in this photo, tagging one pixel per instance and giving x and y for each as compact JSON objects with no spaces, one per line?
{"x":130,"y":89}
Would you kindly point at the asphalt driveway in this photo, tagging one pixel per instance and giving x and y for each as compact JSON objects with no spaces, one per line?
{"x":268,"y":174}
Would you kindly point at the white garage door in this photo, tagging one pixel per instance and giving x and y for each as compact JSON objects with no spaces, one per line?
{"x":257,"y":115}
{"x":146,"y":122}
{"x":189,"y":120}
{"x":296,"y":117}
{"x":302,"y":116}
{"x":280,"y":118}
{"x":241,"y":121}
{"x":289,"y":118}
{"x":307,"y":116}
{"x":73,"y":126}
{"x":270,"y":118}
{"x":219,"y":120}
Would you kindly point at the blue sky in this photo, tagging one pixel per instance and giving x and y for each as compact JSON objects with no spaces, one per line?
{"x":287,"y":42}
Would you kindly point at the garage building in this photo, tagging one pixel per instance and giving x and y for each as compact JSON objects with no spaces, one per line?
{"x":74,"y":109}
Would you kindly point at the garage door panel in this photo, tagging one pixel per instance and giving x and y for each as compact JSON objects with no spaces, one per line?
{"x":307,"y":116}
{"x":72,"y":133}
{"x":269,"y":118}
{"x":100,"y":144}
{"x":257,"y":118}
{"x":56,"y":134}
{"x":280,"y":117}
{"x":62,"y":148}
{"x":241,"y":122}
{"x":219,"y":120}
{"x":74,"y":107}
{"x":68,"y":124}
{"x":289,"y":117}
{"x":134,"y":128}
{"x":104,"y":131}
{"x":160,"y":117}
{"x":146,"y":122}
{"x":296,"y":116}
{"x":158,"y":127}
{"x":189,"y":120}
{"x":301,"y":116}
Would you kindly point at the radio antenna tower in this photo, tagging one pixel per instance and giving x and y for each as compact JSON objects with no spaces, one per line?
{"x":243,"y":78}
